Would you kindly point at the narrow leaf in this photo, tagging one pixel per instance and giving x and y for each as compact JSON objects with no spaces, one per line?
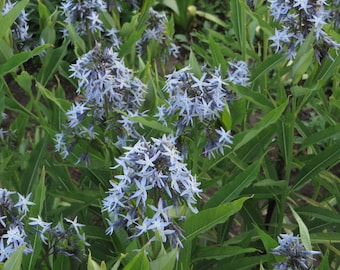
{"x":218,"y":253}
{"x":207,"y":219}
{"x":271,"y":118}
{"x":321,"y":161}
{"x":20,"y":58}
{"x":9,"y":18}
{"x":140,"y":261}
{"x":233,"y":189}
{"x":319,"y":213}
{"x":269,"y":64}
{"x":31,"y":173}
{"x":304,"y":234}
{"x":165,"y":262}
{"x":268,"y":242}
{"x":14,"y":261}
{"x":239,"y":24}
{"x":151,"y":124}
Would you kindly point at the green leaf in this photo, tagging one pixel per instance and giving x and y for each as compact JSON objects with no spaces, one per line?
{"x":285,"y":139}
{"x":268,"y":242}
{"x":151,"y":124}
{"x":194,"y":65}
{"x":326,"y":237}
{"x":60,"y":102}
{"x":332,"y":132}
{"x":217,"y":55}
{"x":7,"y":20}
{"x":304,"y":234}
{"x":233,"y":189}
{"x":24,"y":79}
{"x":165,"y":262}
{"x":117,"y":263}
{"x":14,"y":261}
{"x":92,"y":265}
{"x":207,"y":219}
{"x":44,"y":14}
{"x":20,"y":58}
{"x":140,"y":261}
{"x":327,"y":70}
{"x":51,"y":62}
{"x":319,"y":213}
{"x":226,"y":118}
{"x":78,"y":42}
{"x":211,"y":17}
{"x":300,"y":67}
{"x":31,"y":173}
{"x":39,"y":195}
{"x":269,"y":64}
{"x":271,"y":118}
{"x":254,"y":97}
{"x":239,"y":24}
{"x":319,"y":162}
{"x":218,"y":253}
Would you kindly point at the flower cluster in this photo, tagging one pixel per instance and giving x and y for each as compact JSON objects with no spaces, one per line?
{"x":195,"y":100}
{"x":110,"y":93}
{"x":14,"y":232}
{"x":20,"y":26}
{"x":83,"y":15}
{"x":335,"y":13}
{"x":152,"y":173}
{"x":119,"y":5}
{"x":13,"y":209}
{"x":238,"y":73}
{"x":157,"y":31}
{"x":298,"y":19}
{"x":68,"y":242}
{"x":297,"y":257}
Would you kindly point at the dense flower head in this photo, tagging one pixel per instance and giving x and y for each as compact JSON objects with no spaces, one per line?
{"x":110,"y":96}
{"x":156,"y":30}
{"x":14,"y":231}
{"x":298,"y":19}
{"x":83,"y":15}
{"x":20,"y":27}
{"x":152,"y":173}
{"x":199,"y":101}
{"x":13,"y":208}
{"x":238,"y":73}
{"x":120,"y":4}
{"x":65,"y":238}
{"x":297,"y":257}
{"x":106,"y":82}
{"x":193,"y":98}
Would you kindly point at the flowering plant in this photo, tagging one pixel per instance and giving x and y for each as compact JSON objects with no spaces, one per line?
{"x":169,"y":134}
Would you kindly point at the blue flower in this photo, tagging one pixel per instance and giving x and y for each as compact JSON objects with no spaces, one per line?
{"x":297,"y":257}
{"x":150,"y":171}
{"x":298,"y":19}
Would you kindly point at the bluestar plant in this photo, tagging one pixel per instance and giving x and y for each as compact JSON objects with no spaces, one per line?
{"x":296,"y":255}
{"x":110,"y":96}
{"x":68,"y":241}
{"x":20,"y":27}
{"x":194,"y":101}
{"x":299,"y":18}
{"x":119,"y":5}
{"x":14,"y":232}
{"x":83,"y":15}
{"x":152,"y":173}
{"x":157,"y":31}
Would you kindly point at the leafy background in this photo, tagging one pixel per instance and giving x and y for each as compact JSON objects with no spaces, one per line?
{"x":280,"y":175}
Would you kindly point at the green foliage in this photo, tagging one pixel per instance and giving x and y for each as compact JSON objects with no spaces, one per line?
{"x":280,"y":175}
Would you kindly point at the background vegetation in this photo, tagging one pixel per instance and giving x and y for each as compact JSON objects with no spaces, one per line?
{"x":280,"y":175}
